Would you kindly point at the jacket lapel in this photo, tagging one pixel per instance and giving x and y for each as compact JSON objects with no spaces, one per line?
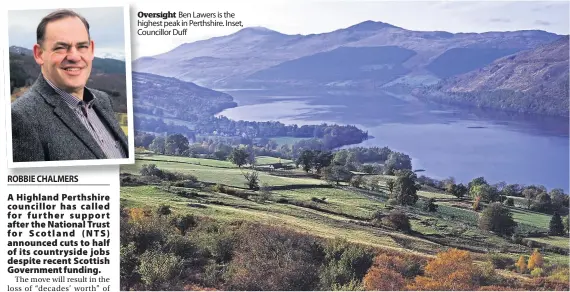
{"x":68,"y":117}
{"x":109,"y":118}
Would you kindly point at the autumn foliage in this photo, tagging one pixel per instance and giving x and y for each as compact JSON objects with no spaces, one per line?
{"x":535,"y":261}
{"x":137,"y":214}
{"x":383,"y":279}
{"x":385,"y":274}
{"x":521,"y":265}
{"x":476,"y":203}
{"x":450,"y":270}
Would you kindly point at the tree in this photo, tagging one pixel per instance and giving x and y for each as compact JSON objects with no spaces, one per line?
{"x":144,"y":140}
{"x":398,"y":161}
{"x":163,"y":210}
{"x":306,"y":160}
{"x":498,"y":219}
{"x":510,"y":191}
{"x":542,"y":203}
{"x":556,"y":227}
{"x":449,"y":185}
{"x":405,"y":188}
{"x":344,"y":265}
{"x":367,"y":168}
{"x":485,"y":192}
{"x":238,"y":157}
{"x":183,"y":223}
{"x":535,"y":261}
{"x":521,"y":265}
{"x":158,"y":145}
{"x":429,"y":205}
{"x":530,"y":193}
{"x":252,"y":180}
{"x":382,"y":279}
{"x":356,"y":181}
{"x":150,"y":170}
{"x":373,"y":183}
{"x":566,"y":223}
{"x":510,"y":202}
{"x":450,"y":270}
{"x":477,"y":181}
{"x":459,"y":190}
{"x":321,"y":160}
{"x":352,"y":161}
{"x":336,"y":173}
{"x":176,"y":144}
{"x":390,"y":183}
{"x":340,"y":157}
{"x":559,"y":199}
{"x":270,"y":259}
{"x":399,"y":220}
{"x":250,"y":159}
{"x":477,"y":204}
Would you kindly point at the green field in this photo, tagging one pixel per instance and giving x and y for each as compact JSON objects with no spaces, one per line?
{"x":307,"y":204}
{"x":286,"y":140}
{"x":531,"y":218}
{"x":261,"y":160}
{"x":558,"y":241}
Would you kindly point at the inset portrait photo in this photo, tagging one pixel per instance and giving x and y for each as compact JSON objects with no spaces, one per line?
{"x":70,"y":93}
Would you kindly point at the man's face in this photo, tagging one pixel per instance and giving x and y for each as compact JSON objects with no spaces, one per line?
{"x":66,"y":54}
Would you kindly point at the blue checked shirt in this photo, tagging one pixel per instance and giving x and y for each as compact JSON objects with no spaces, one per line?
{"x":93,"y":124}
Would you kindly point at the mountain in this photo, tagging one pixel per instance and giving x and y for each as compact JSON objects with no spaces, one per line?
{"x":172,"y":98}
{"x":531,"y":81}
{"x":107,"y":75}
{"x":462,"y":60}
{"x":241,"y":59}
{"x":346,"y":64}
{"x":20,"y":51}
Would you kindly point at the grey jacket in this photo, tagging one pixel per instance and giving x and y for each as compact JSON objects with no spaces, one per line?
{"x":44,"y":128}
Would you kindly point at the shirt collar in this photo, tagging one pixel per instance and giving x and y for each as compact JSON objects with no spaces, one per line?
{"x":70,"y":99}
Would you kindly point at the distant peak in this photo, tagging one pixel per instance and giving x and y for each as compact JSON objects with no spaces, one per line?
{"x":20,"y":50}
{"x":258,"y":30}
{"x":370,"y":25}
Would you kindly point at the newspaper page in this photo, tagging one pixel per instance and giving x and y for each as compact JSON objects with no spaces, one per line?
{"x":285,"y":145}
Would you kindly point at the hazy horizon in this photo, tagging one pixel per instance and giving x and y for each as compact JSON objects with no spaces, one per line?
{"x":317,"y":17}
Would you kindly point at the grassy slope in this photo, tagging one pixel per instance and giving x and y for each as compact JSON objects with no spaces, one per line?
{"x":344,"y":213}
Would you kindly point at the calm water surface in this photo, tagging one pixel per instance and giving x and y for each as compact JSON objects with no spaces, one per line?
{"x":443,"y":140}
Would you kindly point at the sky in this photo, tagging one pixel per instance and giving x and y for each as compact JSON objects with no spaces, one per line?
{"x":319,"y":16}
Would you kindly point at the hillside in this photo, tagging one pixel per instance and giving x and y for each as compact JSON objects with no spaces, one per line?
{"x":344,"y":64}
{"x":170,"y":97}
{"x":227,"y":61}
{"x":210,"y":200}
{"x":107,"y":75}
{"x":531,"y":81}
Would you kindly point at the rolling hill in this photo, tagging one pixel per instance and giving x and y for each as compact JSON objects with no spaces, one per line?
{"x":169,"y":97}
{"x":215,"y":203}
{"x":531,"y":81}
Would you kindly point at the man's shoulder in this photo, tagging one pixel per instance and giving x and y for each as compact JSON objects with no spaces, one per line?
{"x":103,"y":98}
{"x":30,"y":100}
{"x":99,"y":93}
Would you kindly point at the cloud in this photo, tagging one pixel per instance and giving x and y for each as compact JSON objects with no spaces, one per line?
{"x":542,"y":7}
{"x":542,"y":22}
{"x":500,"y":20}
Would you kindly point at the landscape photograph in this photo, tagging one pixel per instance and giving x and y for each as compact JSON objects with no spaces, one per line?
{"x":386,"y":151}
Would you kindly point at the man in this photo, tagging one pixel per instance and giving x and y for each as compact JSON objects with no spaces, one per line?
{"x":59,"y":118}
